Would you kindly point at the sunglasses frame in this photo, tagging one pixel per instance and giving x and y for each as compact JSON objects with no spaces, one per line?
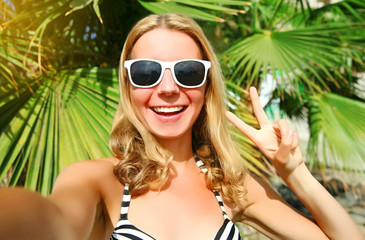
{"x":164,"y":65}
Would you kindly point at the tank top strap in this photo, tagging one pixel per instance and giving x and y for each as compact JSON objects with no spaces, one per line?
{"x":202,"y":167}
{"x":125,"y":203}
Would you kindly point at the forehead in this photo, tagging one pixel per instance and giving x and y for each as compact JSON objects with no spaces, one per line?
{"x":166,"y":45}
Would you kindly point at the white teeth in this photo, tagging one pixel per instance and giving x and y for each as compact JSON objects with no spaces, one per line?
{"x":168,"y":109}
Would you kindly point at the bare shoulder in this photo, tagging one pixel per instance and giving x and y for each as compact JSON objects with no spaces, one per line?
{"x":98,"y":165}
{"x":87,"y":171}
{"x":89,"y":195}
{"x":94,"y":177}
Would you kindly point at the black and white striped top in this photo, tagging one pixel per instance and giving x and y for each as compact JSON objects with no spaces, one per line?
{"x":125,"y":230}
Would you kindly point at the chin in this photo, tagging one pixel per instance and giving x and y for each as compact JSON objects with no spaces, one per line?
{"x":171,"y":134}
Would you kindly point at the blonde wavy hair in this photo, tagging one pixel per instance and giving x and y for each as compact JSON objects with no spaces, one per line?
{"x":144,"y":164}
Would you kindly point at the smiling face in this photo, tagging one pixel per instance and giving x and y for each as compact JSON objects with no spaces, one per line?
{"x":167,"y":110}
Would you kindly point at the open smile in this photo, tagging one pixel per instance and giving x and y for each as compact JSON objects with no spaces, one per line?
{"x":168,"y":111}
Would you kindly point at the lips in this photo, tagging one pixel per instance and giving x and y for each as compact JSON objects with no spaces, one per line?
{"x":168,"y":111}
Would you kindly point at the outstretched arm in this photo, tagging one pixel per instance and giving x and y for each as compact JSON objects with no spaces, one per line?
{"x":279,"y":143}
{"x":68,"y":213}
{"x":28,"y":215}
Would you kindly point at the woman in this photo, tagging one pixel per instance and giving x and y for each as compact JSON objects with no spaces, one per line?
{"x":176,"y":173}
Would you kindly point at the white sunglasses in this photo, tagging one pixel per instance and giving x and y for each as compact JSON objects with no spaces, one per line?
{"x":187,"y":73}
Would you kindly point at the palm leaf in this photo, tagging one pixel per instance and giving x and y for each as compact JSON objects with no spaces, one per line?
{"x":14,"y":46}
{"x":66,"y":120}
{"x":189,"y":8}
{"x":347,"y":10}
{"x":80,"y":4}
{"x":337,"y":133}
{"x":295,"y":54}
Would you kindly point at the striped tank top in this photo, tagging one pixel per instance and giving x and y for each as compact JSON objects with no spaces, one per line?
{"x":125,"y":230}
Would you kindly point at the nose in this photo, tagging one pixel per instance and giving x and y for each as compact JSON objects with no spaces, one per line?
{"x":167,"y":85}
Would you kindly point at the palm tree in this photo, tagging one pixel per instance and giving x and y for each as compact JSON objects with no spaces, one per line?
{"x":58,"y":65}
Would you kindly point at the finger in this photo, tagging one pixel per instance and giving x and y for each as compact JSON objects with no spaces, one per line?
{"x":295,"y":141}
{"x":241,"y":125}
{"x":282,"y":126}
{"x":285,"y":155}
{"x":257,"y":108}
{"x":285,"y":146}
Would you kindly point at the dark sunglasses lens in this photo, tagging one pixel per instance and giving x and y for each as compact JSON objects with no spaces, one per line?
{"x":145,"y":73}
{"x":190,"y":73}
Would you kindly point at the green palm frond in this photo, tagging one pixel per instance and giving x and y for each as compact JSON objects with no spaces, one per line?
{"x":195,"y":9}
{"x":67,"y":119}
{"x":17,"y":60}
{"x":337,"y":135}
{"x":16,"y":57}
{"x":21,"y":49}
{"x":341,"y":11}
{"x":80,"y":4}
{"x":32,"y":14}
{"x":294,"y":54}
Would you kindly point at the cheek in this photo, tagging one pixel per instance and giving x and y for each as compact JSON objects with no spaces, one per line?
{"x":139,"y":99}
{"x":199,"y":100}
{"x":197,"y":96}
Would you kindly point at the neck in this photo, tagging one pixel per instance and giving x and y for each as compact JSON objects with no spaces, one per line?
{"x":180,"y":148}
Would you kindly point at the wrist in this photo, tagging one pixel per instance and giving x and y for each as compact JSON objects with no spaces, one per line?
{"x":301,"y":181}
{"x":290,"y":169}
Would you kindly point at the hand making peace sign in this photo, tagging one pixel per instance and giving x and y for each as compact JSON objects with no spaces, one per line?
{"x":277,"y":141}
